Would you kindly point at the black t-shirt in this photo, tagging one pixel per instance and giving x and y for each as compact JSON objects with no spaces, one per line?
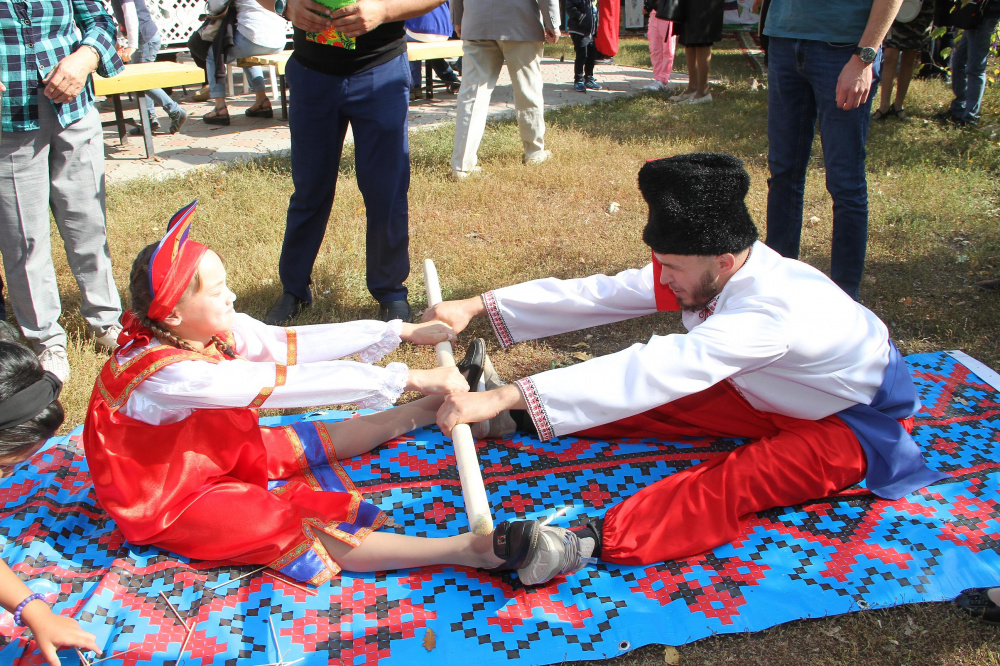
{"x":374,"y":48}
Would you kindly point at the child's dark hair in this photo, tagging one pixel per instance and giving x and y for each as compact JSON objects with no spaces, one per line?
{"x":142,"y":298}
{"x":19,"y":369}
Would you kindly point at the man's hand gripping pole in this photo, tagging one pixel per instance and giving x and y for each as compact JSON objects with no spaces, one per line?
{"x":477,"y":508}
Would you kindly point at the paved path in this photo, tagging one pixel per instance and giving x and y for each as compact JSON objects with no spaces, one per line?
{"x":199,"y":144}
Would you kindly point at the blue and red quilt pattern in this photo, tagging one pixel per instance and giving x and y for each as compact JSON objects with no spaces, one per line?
{"x":840,"y":555}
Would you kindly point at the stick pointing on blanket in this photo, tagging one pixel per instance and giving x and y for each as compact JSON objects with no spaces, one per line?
{"x":477,"y":508}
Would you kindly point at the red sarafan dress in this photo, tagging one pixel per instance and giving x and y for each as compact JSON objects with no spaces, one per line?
{"x":177,"y":465}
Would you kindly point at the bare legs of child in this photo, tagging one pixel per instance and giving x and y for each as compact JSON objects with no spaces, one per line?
{"x":906,"y":62}
{"x":699,"y":63}
{"x":538,"y":552}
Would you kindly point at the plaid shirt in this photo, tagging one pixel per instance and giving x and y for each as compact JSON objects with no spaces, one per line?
{"x":36,"y":35}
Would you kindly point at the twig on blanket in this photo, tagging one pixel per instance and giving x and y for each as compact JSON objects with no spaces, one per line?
{"x":83,"y":660}
{"x":233,"y":580}
{"x":110,"y":656}
{"x":180,"y":655}
{"x":274,"y":635}
{"x":288,"y":582}
{"x":183,"y":621}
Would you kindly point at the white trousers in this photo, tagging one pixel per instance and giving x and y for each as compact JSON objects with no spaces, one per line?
{"x":62,"y":169}
{"x":480,"y":69}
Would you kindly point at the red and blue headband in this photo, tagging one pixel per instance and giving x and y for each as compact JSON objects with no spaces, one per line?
{"x":173,"y":264}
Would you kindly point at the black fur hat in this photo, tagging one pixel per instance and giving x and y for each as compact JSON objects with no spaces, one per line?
{"x":697,"y":204}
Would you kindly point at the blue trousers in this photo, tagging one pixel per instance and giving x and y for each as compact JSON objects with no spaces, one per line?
{"x":146,"y":52}
{"x":968,"y":67}
{"x":802,"y":88}
{"x":374,"y":103}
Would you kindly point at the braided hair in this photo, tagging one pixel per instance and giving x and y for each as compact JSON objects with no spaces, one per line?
{"x":142,"y":299}
{"x":19,"y":369}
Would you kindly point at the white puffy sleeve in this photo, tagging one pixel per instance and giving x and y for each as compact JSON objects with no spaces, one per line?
{"x":171,"y":394}
{"x":549,"y":306}
{"x":371,"y":340}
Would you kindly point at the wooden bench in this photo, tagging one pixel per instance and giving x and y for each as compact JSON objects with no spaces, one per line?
{"x":139,"y":78}
{"x":426,"y":51}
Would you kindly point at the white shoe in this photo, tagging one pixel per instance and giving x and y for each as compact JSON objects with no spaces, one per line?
{"x":681,"y":97}
{"x":556,"y":551}
{"x":108,"y":340}
{"x":707,"y":99}
{"x":537,"y":158}
{"x":55,"y":360}
{"x":655,"y":85}
{"x":459,"y":176}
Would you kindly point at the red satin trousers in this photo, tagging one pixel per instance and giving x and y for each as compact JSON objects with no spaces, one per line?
{"x":789,"y":462}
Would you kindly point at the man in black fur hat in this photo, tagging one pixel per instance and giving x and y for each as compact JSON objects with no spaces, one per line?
{"x":775,"y":353}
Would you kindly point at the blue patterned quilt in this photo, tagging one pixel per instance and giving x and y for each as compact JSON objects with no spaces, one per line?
{"x":843,"y":554}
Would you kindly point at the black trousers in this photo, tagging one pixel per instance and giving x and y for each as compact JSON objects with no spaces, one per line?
{"x":586,"y":53}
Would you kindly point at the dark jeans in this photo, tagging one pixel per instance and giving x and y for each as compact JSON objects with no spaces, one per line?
{"x":586,"y":54}
{"x":968,"y":66}
{"x":374,"y":103}
{"x":802,"y":77}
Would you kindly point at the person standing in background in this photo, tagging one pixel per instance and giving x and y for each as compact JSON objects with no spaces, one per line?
{"x":493,"y":38}
{"x":368,"y":88}
{"x":968,"y":65}
{"x":582,"y":30}
{"x":662,"y":45}
{"x":434,"y":26}
{"x":901,"y":49}
{"x":52,"y":158}
{"x":822,"y":65}
{"x":142,"y":43}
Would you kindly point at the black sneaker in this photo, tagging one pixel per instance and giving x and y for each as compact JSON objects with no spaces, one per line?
{"x":177,"y":120}
{"x":977,"y":603}
{"x":472,"y":365}
{"x":390,"y":310}
{"x":284,"y":309}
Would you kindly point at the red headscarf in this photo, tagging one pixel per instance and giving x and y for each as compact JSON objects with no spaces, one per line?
{"x":173,"y":264}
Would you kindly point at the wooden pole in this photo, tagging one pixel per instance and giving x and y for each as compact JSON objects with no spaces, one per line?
{"x":477,"y":508}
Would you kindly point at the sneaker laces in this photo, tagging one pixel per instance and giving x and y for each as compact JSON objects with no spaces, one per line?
{"x":580,"y":561}
{"x":572,"y":562}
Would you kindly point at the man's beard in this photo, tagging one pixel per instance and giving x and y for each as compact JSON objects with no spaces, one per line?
{"x":702,"y":295}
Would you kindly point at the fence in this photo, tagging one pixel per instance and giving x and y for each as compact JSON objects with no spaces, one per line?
{"x":177,"y":19}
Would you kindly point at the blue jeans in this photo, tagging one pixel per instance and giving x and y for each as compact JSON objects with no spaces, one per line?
{"x":802,"y":87}
{"x":968,"y":67}
{"x":242,"y":48}
{"x":146,"y":52}
{"x":374,"y":103}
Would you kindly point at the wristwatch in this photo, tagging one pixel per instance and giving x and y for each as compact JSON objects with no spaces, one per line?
{"x":280,"y":7}
{"x":866,"y":53}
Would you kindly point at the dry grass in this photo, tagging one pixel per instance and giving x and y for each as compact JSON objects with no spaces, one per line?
{"x":934,"y":231}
